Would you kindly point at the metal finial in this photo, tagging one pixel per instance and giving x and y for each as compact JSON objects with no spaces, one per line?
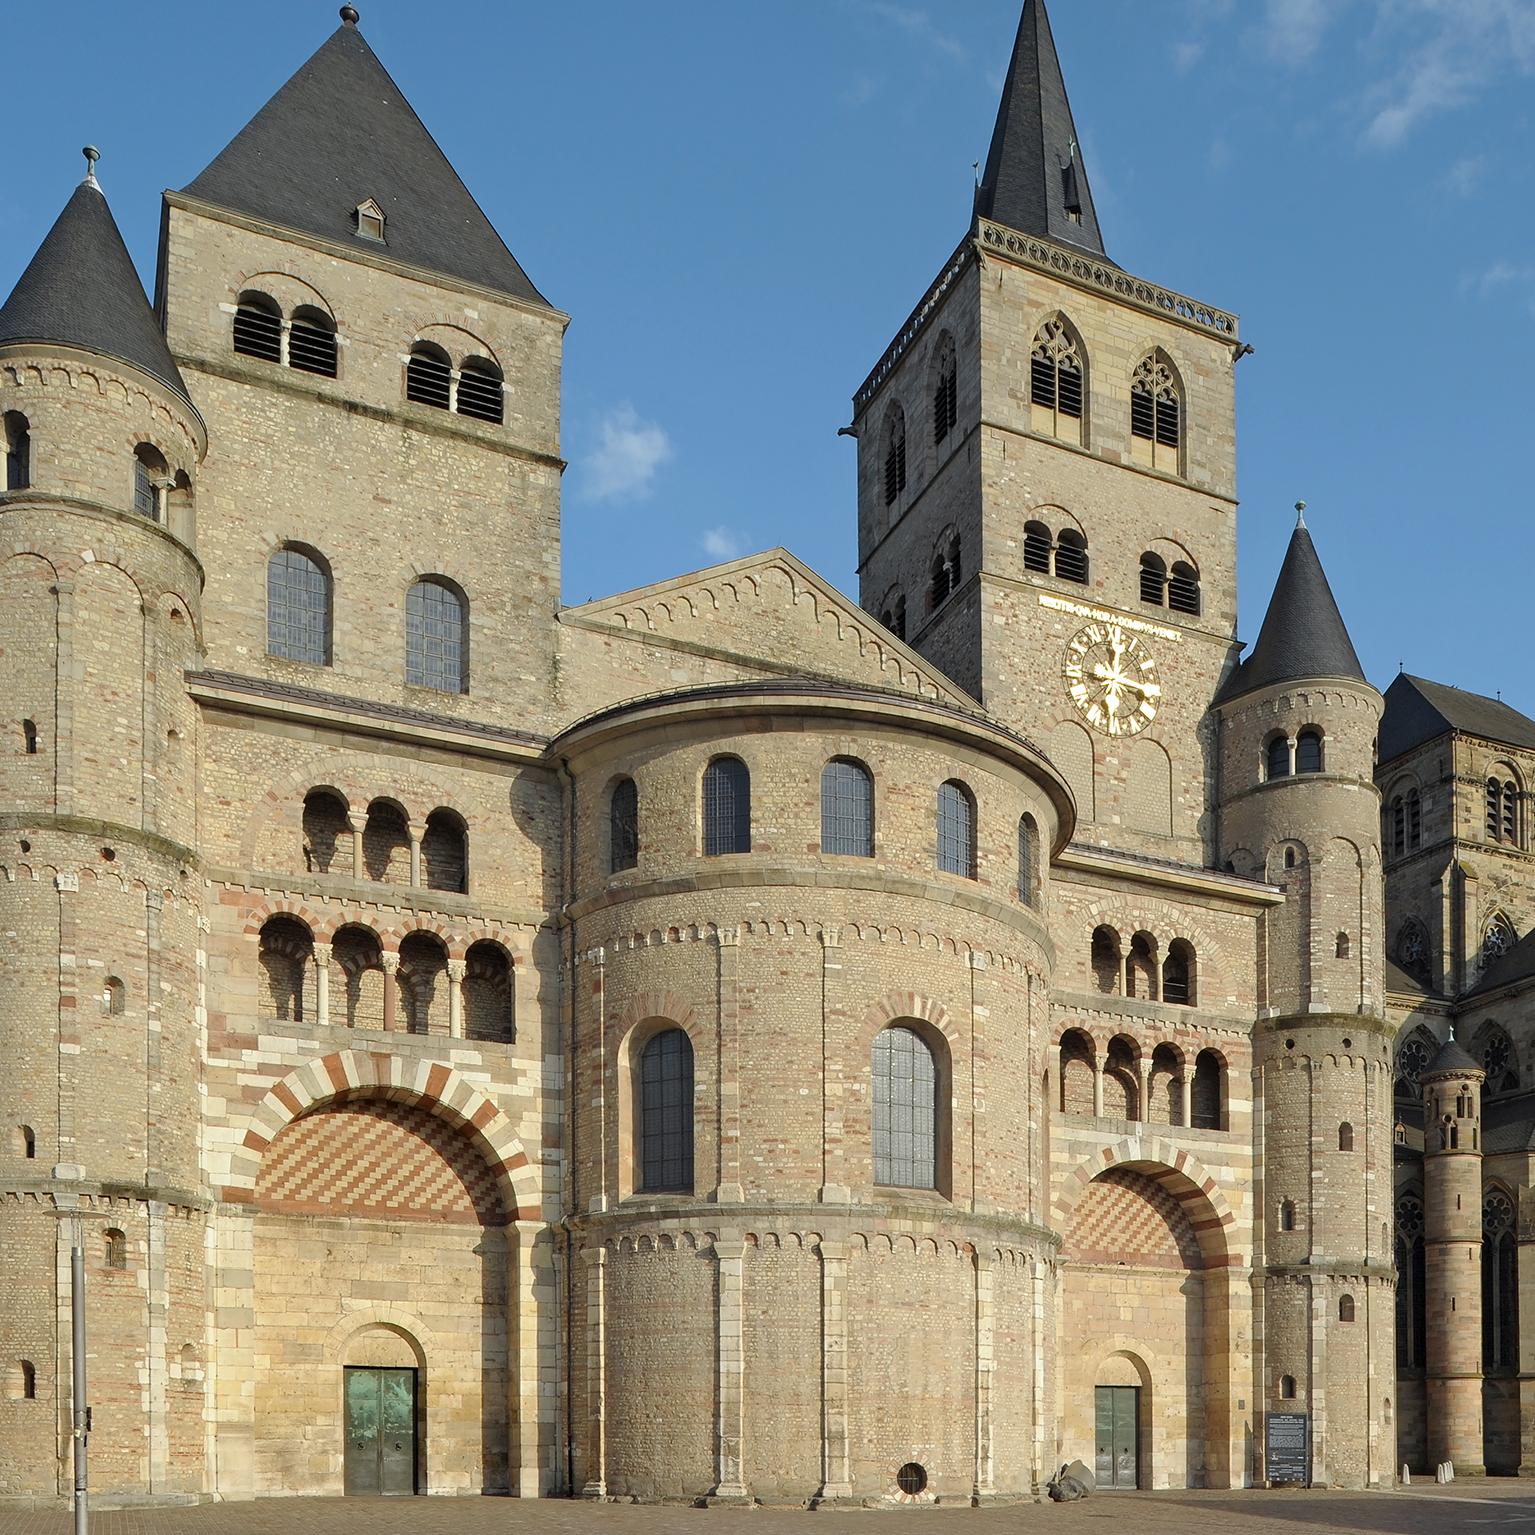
{"x":1300,"y":514}
{"x":92,"y":155}
{"x":349,"y":15}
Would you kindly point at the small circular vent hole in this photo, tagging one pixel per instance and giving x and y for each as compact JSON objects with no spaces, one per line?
{"x":911,"y":1479}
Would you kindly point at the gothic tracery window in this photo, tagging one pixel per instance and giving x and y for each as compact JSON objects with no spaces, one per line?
{"x":945,"y":391}
{"x":1055,"y":382}
{"x":1156,"y":414}
{"x":895,"y":454}
{"x":1498,"y":1060}
{"x":1412,"y":1060}
{"x":1411,"y":1289}
{"x":1502,"y":810}
{"x":1412,"y":952}
{"x":1498,"y":937}
{"x":1500,"y":1283}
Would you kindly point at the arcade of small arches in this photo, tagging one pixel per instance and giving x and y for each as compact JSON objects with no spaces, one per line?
{"x":1284,"y":755}
{"x":384,"y":843}
{"x":421,"y":983}
{"x":1140,"y":970}
{"x":1124,"y":1081}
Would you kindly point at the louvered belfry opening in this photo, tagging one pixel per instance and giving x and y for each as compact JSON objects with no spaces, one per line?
{"x":1183,"y":589}
{"x":945,"y":394}
{"x":1153,"y":579}
{"x":312,"y":343}
{"x":429,"y":376}
{"x":258,"y":328}
{"x":1071,"y":557}
{"x":895,"y":456}
{"x":479,"y":390}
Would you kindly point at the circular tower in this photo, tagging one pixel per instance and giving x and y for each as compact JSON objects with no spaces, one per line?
{"x":1452,"y":1252}
{"x":99,"y":618}
{"x":809,"y":1249}
{"x":1299,"y":808}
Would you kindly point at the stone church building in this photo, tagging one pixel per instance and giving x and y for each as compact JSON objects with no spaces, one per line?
{"x":727,"y":1039}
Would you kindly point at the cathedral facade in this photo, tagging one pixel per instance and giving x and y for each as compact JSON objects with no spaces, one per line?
{"x":724,"y":1040}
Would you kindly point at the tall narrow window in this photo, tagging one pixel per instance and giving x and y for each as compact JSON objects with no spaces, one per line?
{"x":1056,"y":389}
{"x":1345,"y":1308}
{"x":429,"y":376}
{"x":623,"y":826}
{"x":847,"y":808}
{"x":1156,"y":414}
{"x":665,"y":1118}
{"x":1071,"y":556}
{"x":1183,"y":589}
{"x":892,"y":613}
{"x":1414,"y":818}
{"x":1287,"y":1220}
{"x":18,"y":451}
{"x":151,"y":478}
{"x":727,"y":807}
{"x":298,"y":624}
{"x":436,"y":641}
{"x":29,"y":737}
{"x":1028,"y":860}
{"x":479,"y":390}
{"x":1207,"y":1100}
{"x":1278,"y":757}
{"x":947,"y":570}
{"x":956,"y":829}
{"x":895,"y":454}
{"x":114,"y":1248}
{"x":945,"y":391}
{"x":1308,"y":751}
{"x":905,"y":1111}
{"x":1345,"y":1137}
{"x":1500,"y":1284}
{"x":1153,"y":579}
{"x":258,"y":328}
{"x":312,"y":342}
{"x":1037,"y":544}
{"x":1178,"y":973}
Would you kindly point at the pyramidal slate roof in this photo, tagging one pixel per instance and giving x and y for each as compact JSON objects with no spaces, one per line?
{"x":1418,"y":710}
{"x":1303,"y":633}
{"x":1453,"y":1056}
{"x":1034,"y":173}
{"x":339,"y":133}
{"x":81,"y":290}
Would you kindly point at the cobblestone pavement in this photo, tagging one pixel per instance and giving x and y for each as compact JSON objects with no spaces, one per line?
{"x":1469,"y":1506}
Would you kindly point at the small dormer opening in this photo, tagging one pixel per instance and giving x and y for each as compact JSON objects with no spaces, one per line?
{"x":370,"y":221}
{"x":1070,"y":191}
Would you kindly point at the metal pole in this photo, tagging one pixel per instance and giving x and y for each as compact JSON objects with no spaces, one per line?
{"x":81,"y":1413}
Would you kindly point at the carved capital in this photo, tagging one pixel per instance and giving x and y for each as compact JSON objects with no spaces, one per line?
{"x":457,"y":969}
{"x":389,"y":961}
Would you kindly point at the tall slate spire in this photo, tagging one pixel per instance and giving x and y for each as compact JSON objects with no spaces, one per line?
{"x":1035,"y":180}
{"x":81,"y":290}
{"x":339,"y":133}
{"x":1303,"y":633}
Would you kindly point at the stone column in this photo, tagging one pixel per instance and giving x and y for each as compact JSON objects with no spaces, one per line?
{"x":834,"y":1189}
{"x":322,"y":984}
{"x":1097,"y":1087}
{"x":415,"y":830}
{"x":835,"y":1468}
{"x":232,"y":1360}
{"x":531,"y":1361}
{"x":1186,"y":1098}
{"x":358,"y":821}
{"x":728,"y":1188}
{"x":390,"y":963}
{"x":730,"y":1254}
{"x":1143,"y":1084}
{"x":985,"y":1363}
{"x":595,"y":1260}
{"x":456,"y":971}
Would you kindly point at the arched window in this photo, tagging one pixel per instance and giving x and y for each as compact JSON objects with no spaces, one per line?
{"x":1141,"y":967}
{"x":665,"y":1119}
{"x":1413,"y":955}
{"x":24,"y":1143}
{"x":1183,"y":589}
{"x":905,"y":1110}
{"x":945,"y":390}
{"x":1028,"y":860}
{"x":623,"y":826}
{"x":312,"y":342}
{"x":114,"y":997}
{"x":1287,"y":1215}
{"x":1056,"y":382}
{"x":1498,"y":937}
{"x":1289,"y":858}
{"x":386,"y":843}
{"x":151,"y":480}
{"x":1076,"y":1062}
{"x":21,"y":1382}
{"x":1308,"y":751}
{"x":29,"y":737}
{"x":727,"y":807}
{"x":1502,"y":810}
{"x":114,"y":1248}
{"x":1071,"y":556}
{"x":1345,"y":1308}
{"x":1396,"y":826}
{"x":1104,"y":960}
{"x":1153,"y":579}
{"x":1496,"y":1051}
{"x":1345,"y":1137}
{"x":1178,"y":973}
{"x":436,"y":637}
{"x":1411,"y":1285}
{"x":489,"y":993}
{"x":1500,"y":1283}
{"x":895,"y":454}
{"x":1207,"y":1107}
{"x":445,"y":852}
{"x":956,"y":829}
{"x":1287,"y":1387}
{"x":847,"y":808}
{"x":298,"y":606}
{"x":947,"y":570}
{"x":1037,"y":545}
{"x":258,"y":328}
{"x":892,"y":613}
{"x":326,"y":834}
{"x":429,"y":376}
{"x":1342,"y":946}
{"x":18,"y":451}
{"x":1277,"y":757}
{"x":1414,"y":819}
{"x":479,"y":390}
{"x":421,"y":983}
{"x":287,"y":962}
{"x":1156,"y":414}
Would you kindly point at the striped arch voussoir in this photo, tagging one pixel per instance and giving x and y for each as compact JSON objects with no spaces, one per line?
{"x":428,"y":1085}
{"x":658,"y":1004}
{"x":258,"y":916}
{"x":1179,"y":1174}
{"x":896,"y":1005}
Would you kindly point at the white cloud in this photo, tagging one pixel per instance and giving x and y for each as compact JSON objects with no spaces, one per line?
{"x":1187,"y":54}
{"x":918,"y":25}
{"x":1293,"y":28}
{"x":1466,"y":174}
{"x":721,"y":543}
{"x":1496,"y":280}
{"x":627,"y":455}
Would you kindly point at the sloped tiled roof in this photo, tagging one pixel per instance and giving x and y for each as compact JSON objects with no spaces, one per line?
{"x":81,"y":290}
{"x":341,"y":132}
{"x":1417,"y":710}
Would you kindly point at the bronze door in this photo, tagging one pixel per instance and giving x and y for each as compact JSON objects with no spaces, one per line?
{"x":380,"y":1432}
{"x":1115,"y":1465}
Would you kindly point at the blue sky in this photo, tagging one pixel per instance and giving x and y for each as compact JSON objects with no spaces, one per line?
{"x":738,"y":204}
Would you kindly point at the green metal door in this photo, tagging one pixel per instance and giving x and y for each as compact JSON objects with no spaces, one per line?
{"x":380,"y":1432}
{"x":1117,"y":1415}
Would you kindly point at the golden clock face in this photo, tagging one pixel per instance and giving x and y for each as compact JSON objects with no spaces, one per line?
{"x":1112,"y":679}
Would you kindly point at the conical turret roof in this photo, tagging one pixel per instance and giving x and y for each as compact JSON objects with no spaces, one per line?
{"x":1452,"y":1059}
{"x":341,"y":133}
{"x":1303,"y":633}
{"x":81,"y":290}
{"x":1035,"y":180}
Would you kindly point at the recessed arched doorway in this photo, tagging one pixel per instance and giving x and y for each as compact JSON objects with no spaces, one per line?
{"x":383,"y":1405}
